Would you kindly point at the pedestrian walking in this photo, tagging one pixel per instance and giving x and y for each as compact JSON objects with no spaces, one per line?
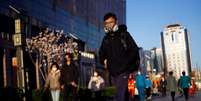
{"x":185,"y":83}
{"x":96,"y":85}
{"x":163,"y":84}
{"x":131,"y":86}
{"x":192,"y":89}
{"x":140,"y":84}
{"x":172,"y":85}
{"x":119,"y":54}
{"x":156,"y":83}
{"x":53,"y":81}
{"x":148,"y":86}
{"x":69,"y":79}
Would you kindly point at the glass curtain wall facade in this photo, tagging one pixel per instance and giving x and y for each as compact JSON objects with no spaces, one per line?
{"x":82,"y":18}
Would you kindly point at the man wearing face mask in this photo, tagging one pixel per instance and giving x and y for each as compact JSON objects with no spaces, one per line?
{"x":119,"y":54}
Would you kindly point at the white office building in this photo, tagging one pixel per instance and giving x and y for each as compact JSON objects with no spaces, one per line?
{"x":176,"y":49}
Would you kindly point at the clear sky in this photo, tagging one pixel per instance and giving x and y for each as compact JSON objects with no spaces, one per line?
{"x":147,"y":18}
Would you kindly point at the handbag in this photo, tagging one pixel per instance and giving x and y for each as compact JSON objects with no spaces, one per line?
{"x":136,"y":91}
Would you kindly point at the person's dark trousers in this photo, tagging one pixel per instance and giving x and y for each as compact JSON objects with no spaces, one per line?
{"x":173,"y":96}
{"x":163,"y":89}
{"x":148,"y":92}
{"x":121,"y":85}
{"x":134,"y":98}
{"x":85,"y":95}
{"x":186,"y":93}
{"x":70,"y":93}
{"x":98,"y":96}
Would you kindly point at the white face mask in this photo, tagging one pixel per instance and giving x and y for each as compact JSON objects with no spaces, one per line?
{"x":138,"y":73}
{"x":110,"y":29}
{"x":54,"y":68}
{"x":95,"y":74}
{"x":115,"y":28}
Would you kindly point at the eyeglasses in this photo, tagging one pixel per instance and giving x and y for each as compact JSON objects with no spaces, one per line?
{"x":109,"y":22}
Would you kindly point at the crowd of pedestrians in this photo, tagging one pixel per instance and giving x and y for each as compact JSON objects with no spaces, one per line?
{"x":168,"y":85}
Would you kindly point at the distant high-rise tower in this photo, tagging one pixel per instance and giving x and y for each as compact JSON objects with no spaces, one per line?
{"x":157,"y":61}
{"x":176,"y":49}
{"x":142,"y":66}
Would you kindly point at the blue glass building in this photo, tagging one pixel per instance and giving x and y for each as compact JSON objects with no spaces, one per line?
{"x":82,"y":18}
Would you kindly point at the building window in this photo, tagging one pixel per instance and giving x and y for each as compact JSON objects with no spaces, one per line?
{"x":174,"y":37}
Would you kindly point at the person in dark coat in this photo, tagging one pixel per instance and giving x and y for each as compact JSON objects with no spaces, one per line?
{"x":119,"y":54}
{"x":69,"y":79}
{"x":163,"y":84}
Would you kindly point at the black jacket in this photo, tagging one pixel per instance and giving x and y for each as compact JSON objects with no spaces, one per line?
{"x":121,"y":52}
{"x":69,"y":73}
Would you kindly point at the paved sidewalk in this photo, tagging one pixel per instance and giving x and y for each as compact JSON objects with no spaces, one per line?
{"x":196,"y":97}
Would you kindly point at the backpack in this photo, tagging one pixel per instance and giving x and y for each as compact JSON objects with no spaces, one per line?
{"x":123,"y":40}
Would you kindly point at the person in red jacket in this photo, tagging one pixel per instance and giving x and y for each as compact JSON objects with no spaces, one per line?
{"x":131,"y":85}
{"x":192,"y":88}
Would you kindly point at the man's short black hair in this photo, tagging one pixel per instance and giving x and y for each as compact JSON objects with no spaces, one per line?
{"x":171,"y":72}
{"x":108,"y":15}
{"x":183,"y":73}
{"x":70,"y":55}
